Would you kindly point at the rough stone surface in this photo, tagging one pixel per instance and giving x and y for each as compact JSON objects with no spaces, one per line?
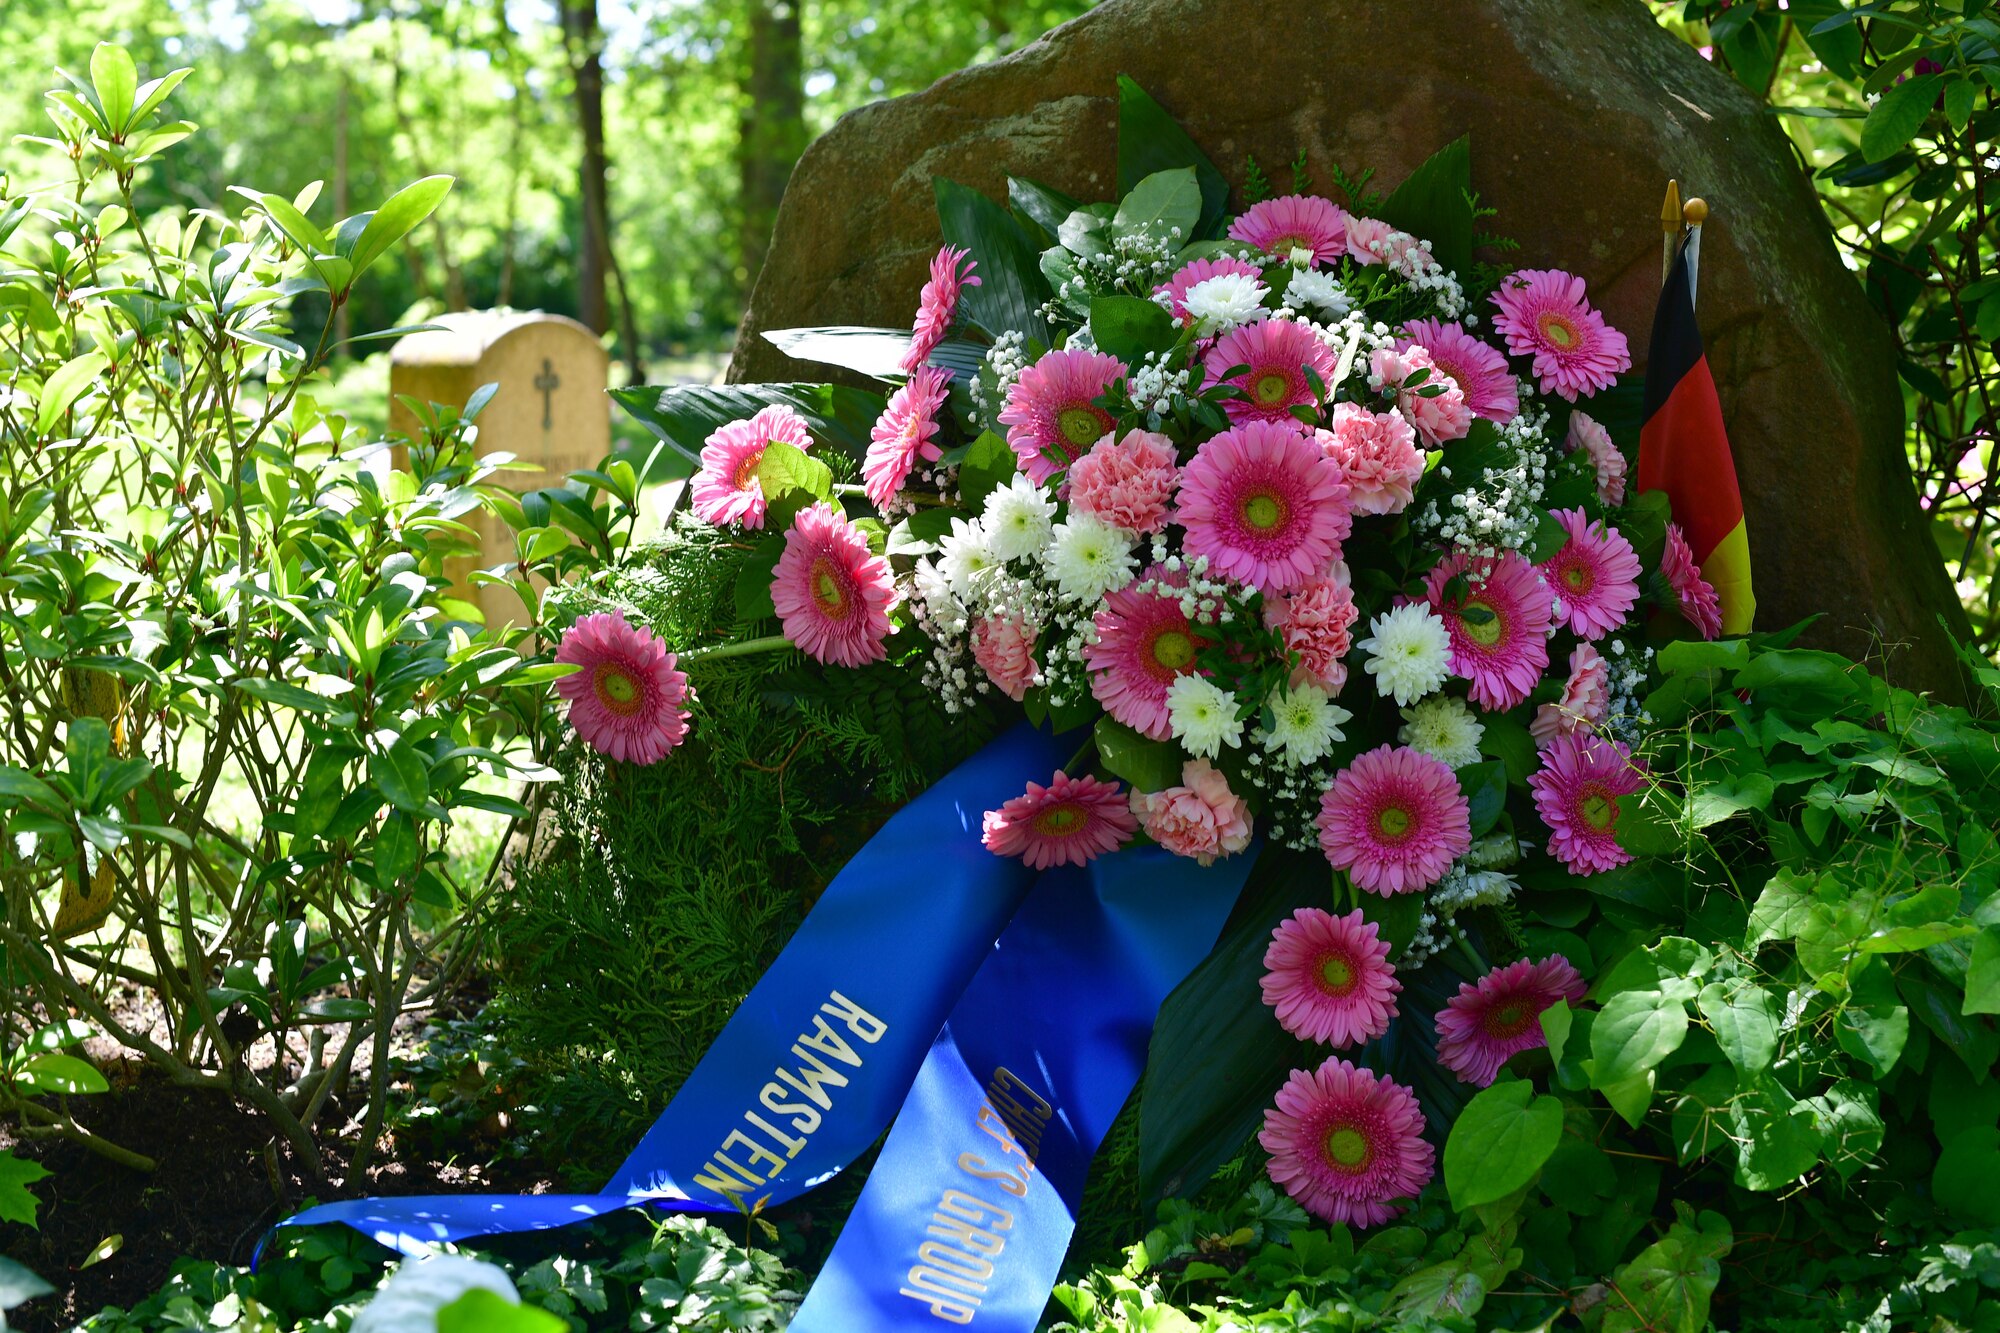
{"x":1578,"y":112}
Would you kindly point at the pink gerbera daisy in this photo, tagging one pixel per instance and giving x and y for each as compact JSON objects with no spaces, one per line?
{"x":1576,"y":793}
{"x":1067,"y":823}
{"x":1265,"y":505}
{"x":1596,"y":573}
{"x":1585,"y":702}
{"x":832,"y":594}
{"x":1144,"y":644}
{"x":1277,"y":353}
{"x":1699,"y":605}
{"x":1499,"y":627}
{"x":937,"y":304}
{"x":1604,"y":455}
{"x":725,"y":490}
{"x":1051,"y":414}
{"x":1175,"y":289}
{"x":1395,"y":820}
{"x":1430,"y":401}
{"x":1313,"y":621}
{"x":1328,"y":977}
{"x":1543,"y":314}
{"x":1479,"y":369}
{"x":1126,"y":483}
{"x":1295,"y":222}
{"x":626,"y":698}
{"x":904,"y":433}
{"x":1484,"y":1026}
{"x":1378,"y":454}
{"x":1347,"y":1143}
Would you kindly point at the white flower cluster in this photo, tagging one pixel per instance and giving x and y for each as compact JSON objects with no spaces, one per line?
{"x":1153,"y":387}
{"x":1136,"y":263}
{"x":1628,"y":667}
{"x":1004,"y":364}
{"x":1290,"y":795}
{"x":1499,"y":510}
{"x":1317,"y":289}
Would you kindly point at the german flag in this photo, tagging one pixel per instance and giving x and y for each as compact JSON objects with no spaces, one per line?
{"x":1684,"y":451}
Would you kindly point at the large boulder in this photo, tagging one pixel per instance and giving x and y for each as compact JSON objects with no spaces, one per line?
{"x":1578,"y":114}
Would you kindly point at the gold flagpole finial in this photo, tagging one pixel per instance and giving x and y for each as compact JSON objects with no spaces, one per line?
{"x":1694,"y":212}
{"x":1670,"y":228}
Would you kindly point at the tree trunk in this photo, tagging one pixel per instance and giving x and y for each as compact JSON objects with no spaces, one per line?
{"x":585,"y":45}
{"x":771,"y":130}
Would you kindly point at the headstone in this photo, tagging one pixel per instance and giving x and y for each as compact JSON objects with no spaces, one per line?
{"x":550,"y":410}
{"x":1578,"y":114}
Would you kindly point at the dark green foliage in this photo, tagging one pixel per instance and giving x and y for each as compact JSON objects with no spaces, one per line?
{"x":657,"y":896}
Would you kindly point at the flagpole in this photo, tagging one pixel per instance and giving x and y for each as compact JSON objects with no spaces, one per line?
{"x":1694,"y":213}
{"x":1670,"y":228}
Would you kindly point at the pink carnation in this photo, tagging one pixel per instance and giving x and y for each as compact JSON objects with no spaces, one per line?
{"x":1200,"y":820}
{"x":1604,"y":455}
{"x":1429,"y":400}
{"x":1004,"y":647}
{"x":1126,"y":483}
{"x":1543,"y":314}
{"x":1585,"y":702}
{"x":1478,"y":369}
{"x":937,"y":304}
{"x":1313,"y":621}
{"x":832,"y":594}
{"x":1378,"y":453}
{"x":1072,"y":821}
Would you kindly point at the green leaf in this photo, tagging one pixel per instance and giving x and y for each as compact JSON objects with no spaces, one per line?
{"x":1874,"y":1034}
{"x":1012,"y":289}
{"x":1556,"y":1021}
{"x":1044,"y":207}
{"x":1485,"y":788}
{"x":1434,"y":205}
{"x":297,"y":227}
{"x":1151,"y":141}
{"x":1850,"y":1126}
{"x":16,"y":1203}
{"x":1967,"y":1179}
{"x":484,"y":1311}
{"x":989,"y":464}
{"x":685,"y":415}
{"x":1744,"y":1017}
{"x":1727,"y":791}
{"x":286,"y":695}
{"x":1160,"y":203}
{"x":1982,"y":974}
{"x":1128,"y":327}
{"x":792,"y":480}
{"x":155,"y":91}
{"x":1499,"y":1143}
{"x":64,"y":386}
{"x":1667,"y":1286}
{"x":753,"y":580}
{"x":18,"y":1284}
{"x":53,"y":1071}
{"x":1898,"y":116}
{"x":1782,"y":910}
{"x":1634,"y":1032}
{"x":1143,"y":763}
{"x":116,"y":81}
{"x":400,"y":215}
{"x":402,"y":776}
{"x":872,"y":351}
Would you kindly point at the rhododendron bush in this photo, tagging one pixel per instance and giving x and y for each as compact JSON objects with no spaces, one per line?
{"x":1314,"y":530}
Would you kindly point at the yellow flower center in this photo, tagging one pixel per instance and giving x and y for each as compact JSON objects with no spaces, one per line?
{"x":1598,"y":809}
{"x":1576,"y":578}
{"x":1173,"y":650}
{"x":1347,"y":1148}
{"x":1264,"y":512}
{"x":1510,"y":1019}
{"x":1337,"y":975}
{"x":1486,"y":632}
{"x":1080,"y":426}
{"x":1393,"y":822}
{"x":1059,"y":821}
{"x":826,"y":588}
{"x":616,"y":689}
{"x":1559,"y":331}
{"x":1271,"y":388}
{"x":746,"y":471}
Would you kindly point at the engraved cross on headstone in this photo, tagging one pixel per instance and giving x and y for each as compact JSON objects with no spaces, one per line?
{"x":548,"y":382}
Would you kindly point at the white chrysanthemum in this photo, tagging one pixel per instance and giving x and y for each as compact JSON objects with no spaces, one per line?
{"x":934,"y":591}
{"x":1495,"y":851}
{"x":1409,"y":652}
{"x":966,"y":560}
{"x":1018,"y":519}
{"x":1219,"y":304}
{"x":1202,"y":716}
{"x":1305,"y":723}
{"x":1444,"y":728}
{"x":1089,"y":558}
{"x":1317,"y":289}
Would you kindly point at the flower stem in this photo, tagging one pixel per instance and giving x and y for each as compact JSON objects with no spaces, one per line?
{"x":770,"y":643}
{"x":913,"y":497}
{"x":1479,"y":967}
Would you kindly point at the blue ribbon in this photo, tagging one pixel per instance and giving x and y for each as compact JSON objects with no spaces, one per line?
{"x":833,"y":1033}
{"x":969,"y":1210}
